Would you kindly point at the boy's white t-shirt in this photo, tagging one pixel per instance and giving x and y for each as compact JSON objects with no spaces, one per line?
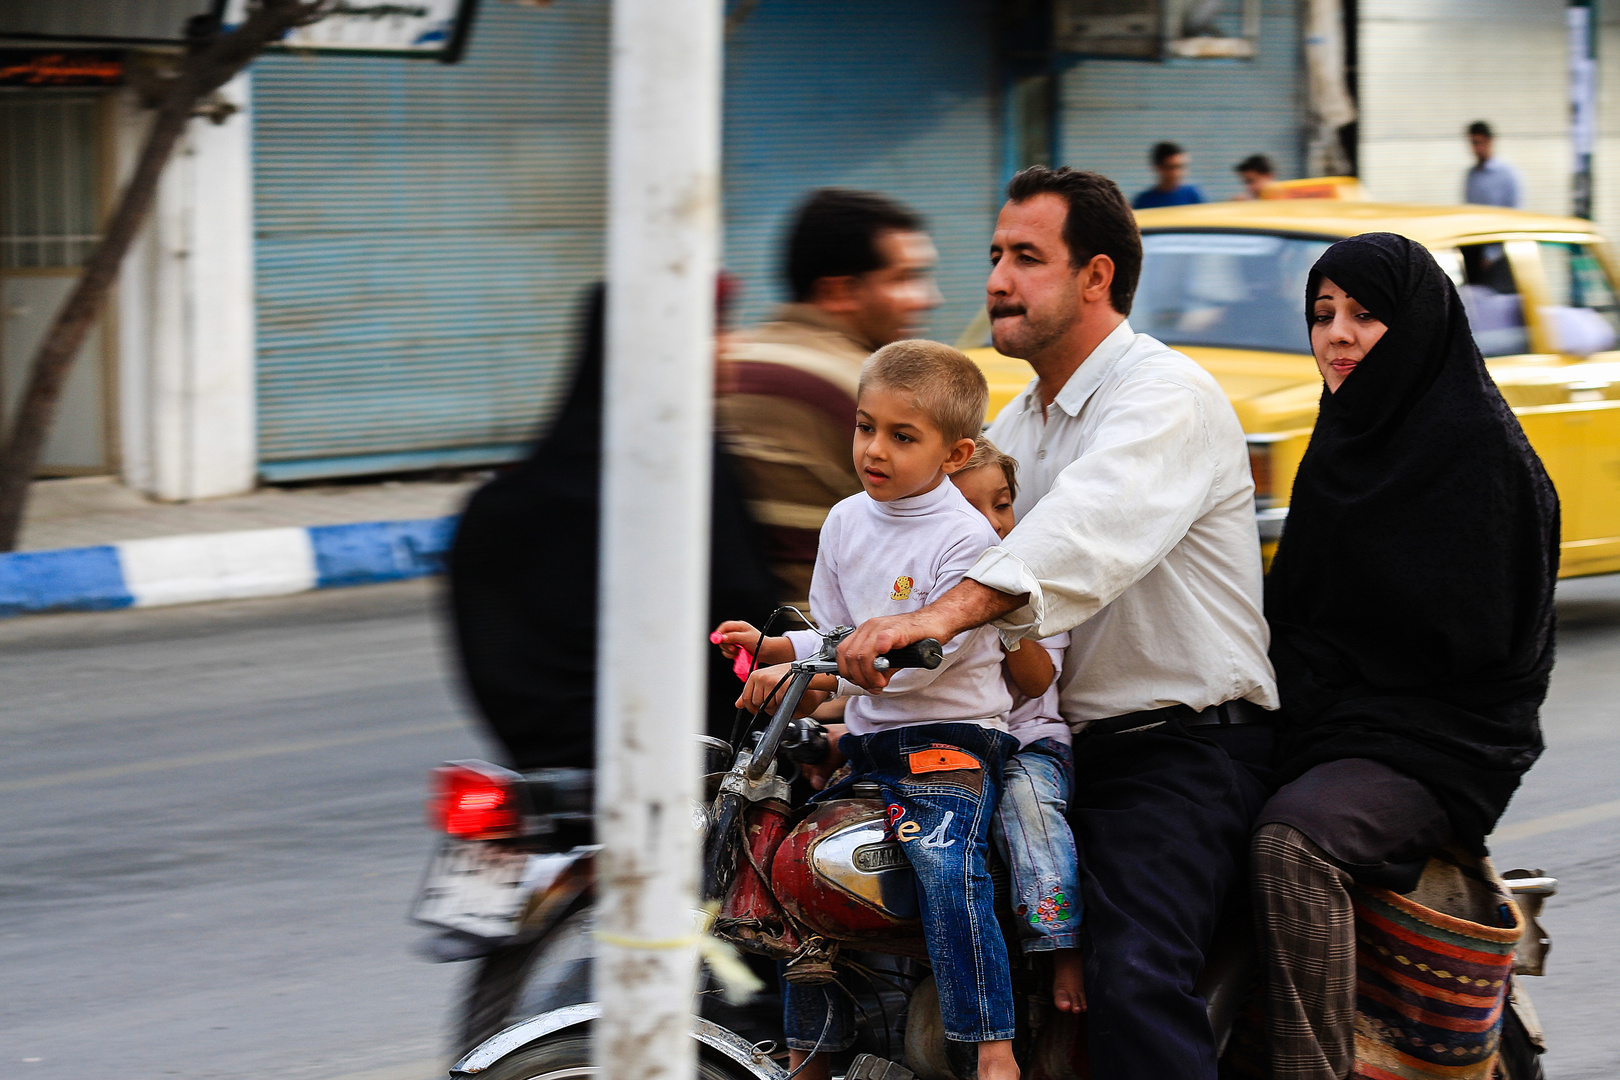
{"x":1035,"y":718}
{"x":890,"y":558}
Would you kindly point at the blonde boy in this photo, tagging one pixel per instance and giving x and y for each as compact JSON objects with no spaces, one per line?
{"x":935,"y":742}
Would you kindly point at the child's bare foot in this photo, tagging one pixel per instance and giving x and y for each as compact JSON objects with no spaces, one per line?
{"x":1068,"y":981}
{"x":996,"y":1061}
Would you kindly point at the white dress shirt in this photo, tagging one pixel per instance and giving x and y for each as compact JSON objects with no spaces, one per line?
{"x":1135,"y":533}
{"x":888,"y":558}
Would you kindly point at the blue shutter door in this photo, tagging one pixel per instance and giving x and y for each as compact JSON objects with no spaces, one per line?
{"x":895,"y":97}
{"x":425,"y":235}
{"x":1221,"y":111}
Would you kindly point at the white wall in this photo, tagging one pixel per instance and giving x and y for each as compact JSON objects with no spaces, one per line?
{"x":1430,"y":67}
{"x":1606,"y":159}
{"x":186,"y":314}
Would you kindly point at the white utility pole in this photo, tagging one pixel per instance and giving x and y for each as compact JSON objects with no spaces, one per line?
{"x":662,"y":255}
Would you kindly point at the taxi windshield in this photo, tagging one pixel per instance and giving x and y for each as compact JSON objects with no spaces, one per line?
{"x":1234,"y":290}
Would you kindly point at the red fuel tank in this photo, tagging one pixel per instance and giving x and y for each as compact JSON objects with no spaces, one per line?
{"x":841,"y":874}
{"x":750,"y":915}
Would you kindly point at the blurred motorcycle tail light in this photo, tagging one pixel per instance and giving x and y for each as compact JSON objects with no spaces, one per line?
{"x":473,"y":803}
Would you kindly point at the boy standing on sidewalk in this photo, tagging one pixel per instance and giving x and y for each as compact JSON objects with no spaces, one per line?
{"x":936,"y":741}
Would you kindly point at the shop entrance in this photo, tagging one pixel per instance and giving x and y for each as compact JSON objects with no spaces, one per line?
{"x":51,"y":197}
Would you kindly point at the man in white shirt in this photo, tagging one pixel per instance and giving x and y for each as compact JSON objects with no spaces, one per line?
{"x":1136,"y":534}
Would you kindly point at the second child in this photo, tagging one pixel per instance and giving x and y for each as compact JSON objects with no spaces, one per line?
{"x":1031,"y":827}
{"x":935,"y":742}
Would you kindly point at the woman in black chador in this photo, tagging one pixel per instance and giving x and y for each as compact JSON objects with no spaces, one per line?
{"x":1411,"y":610}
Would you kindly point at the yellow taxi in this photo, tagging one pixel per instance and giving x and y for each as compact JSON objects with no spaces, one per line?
{"x":1225,"y":283}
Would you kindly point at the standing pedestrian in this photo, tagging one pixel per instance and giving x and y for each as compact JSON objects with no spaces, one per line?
{"x":1136,"y":535}
{"x":1170,"y":162}
{"x":860,"y":268}
{"x":1492,"y":181}
{"x":1257,"y":173}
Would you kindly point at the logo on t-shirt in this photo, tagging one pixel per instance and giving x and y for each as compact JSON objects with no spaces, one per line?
{"x":902,"y":588}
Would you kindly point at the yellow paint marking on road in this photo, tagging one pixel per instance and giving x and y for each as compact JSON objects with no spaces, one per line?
{"x":1568,"y":819}
{"x":220,"y":757}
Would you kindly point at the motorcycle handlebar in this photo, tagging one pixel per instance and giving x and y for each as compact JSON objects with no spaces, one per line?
{"x":927,"y":653}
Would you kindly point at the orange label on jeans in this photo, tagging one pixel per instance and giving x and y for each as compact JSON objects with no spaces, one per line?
{"x":941,"y":759}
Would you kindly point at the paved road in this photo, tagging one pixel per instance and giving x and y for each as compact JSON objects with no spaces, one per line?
{"x":212,"y":828}
{"x":213,"y":822}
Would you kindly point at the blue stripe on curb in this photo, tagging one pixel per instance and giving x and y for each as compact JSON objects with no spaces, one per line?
{"x":68,"y":579}
{"x":376,"y":551}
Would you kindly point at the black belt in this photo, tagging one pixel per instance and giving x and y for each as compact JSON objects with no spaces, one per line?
{"x":1226,"y":714}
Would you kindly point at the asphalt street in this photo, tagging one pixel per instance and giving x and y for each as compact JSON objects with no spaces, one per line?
{"x":213,"y":827}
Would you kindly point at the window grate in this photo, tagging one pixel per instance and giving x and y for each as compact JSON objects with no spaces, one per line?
{"x":47,"y":180}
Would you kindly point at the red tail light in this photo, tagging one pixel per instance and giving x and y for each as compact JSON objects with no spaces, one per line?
{"x":475,"y":801}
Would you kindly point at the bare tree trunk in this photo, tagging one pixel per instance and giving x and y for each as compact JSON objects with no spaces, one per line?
{"x":208,"y":65}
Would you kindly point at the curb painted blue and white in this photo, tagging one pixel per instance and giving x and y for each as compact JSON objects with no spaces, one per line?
{"x":222,"y":566}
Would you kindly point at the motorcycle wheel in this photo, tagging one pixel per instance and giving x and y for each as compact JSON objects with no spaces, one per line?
{"x":567,"y":1056}
{"x":1517,"y":1057}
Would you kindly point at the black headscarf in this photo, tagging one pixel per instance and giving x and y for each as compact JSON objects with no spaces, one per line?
{"x":524,"y":572}
{"x":1411,"y":598}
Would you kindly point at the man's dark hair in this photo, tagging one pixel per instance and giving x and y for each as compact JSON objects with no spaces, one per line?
{"x":835,"y":234}
{"x":1480,"y":127}
{"x":1099,"y":222}
{"x":1163,"y":152}
{"x":1257,"y":163}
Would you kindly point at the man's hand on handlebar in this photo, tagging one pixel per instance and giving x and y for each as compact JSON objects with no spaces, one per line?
{"x":762,"y":692}
{"x":874,"y":637}
{"x":735,"y":634}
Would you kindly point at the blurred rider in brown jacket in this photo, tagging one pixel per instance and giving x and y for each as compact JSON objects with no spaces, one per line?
{"x":860,"y":268}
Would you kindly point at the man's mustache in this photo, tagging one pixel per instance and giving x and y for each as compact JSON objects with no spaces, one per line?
{"x":1002,"y":311}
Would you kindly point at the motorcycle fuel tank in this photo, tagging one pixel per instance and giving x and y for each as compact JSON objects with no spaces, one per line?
{"x":840,"y":873}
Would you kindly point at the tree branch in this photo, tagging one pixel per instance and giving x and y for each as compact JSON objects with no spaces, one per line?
{"x":210,"y":63}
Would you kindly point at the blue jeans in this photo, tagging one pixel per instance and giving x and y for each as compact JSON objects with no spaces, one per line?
{"x":1032,"y":833}
{"x":941,"y":783}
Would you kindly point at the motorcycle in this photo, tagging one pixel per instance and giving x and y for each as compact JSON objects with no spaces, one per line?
{"x":823,"y":890}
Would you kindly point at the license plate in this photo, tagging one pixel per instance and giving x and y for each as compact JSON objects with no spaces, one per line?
{"x":476,"y":887}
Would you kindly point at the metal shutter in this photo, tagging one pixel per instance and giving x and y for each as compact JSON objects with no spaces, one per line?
{"x":1221,"y":111}
{"x":424,"y":236}
{"x":895,"y":97}
{"x":1428,"y":70}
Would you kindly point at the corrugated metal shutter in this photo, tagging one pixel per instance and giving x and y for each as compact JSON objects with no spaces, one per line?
{"x":1221,"y":111}
{"x":1428,"y":70}
{"x":895,"y":97}
{"x":424,"y":236}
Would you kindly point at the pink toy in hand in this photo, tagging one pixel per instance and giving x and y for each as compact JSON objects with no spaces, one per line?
{"x":743,"y":664}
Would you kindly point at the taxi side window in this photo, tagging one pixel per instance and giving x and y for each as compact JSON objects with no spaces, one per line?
{"x":1583,"y":315}
{"x":1491,"y":297}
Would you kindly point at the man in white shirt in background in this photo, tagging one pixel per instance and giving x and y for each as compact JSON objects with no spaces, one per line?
{"x":1136,"y":534}
{"x":1492,"y":181}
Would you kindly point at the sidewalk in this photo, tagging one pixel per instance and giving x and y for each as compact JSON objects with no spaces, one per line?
{"x":91,"y":543}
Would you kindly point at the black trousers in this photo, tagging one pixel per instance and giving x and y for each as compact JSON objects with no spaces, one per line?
{"x":1161,"y":819}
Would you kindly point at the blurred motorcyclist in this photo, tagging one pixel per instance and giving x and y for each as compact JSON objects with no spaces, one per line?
{"x":860,"y":270}
{"x":523,"y":580}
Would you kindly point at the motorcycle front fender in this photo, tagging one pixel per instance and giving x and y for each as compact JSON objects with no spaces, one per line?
{"x":535,"y":1028}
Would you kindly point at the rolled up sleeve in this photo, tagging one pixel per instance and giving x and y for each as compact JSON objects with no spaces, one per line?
{"x":1111,"y":516}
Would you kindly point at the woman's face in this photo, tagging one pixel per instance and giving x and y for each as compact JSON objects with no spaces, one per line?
{"x":1342,"y":331}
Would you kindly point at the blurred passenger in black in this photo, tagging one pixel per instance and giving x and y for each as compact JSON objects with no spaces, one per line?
{"x":526,"y":633}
